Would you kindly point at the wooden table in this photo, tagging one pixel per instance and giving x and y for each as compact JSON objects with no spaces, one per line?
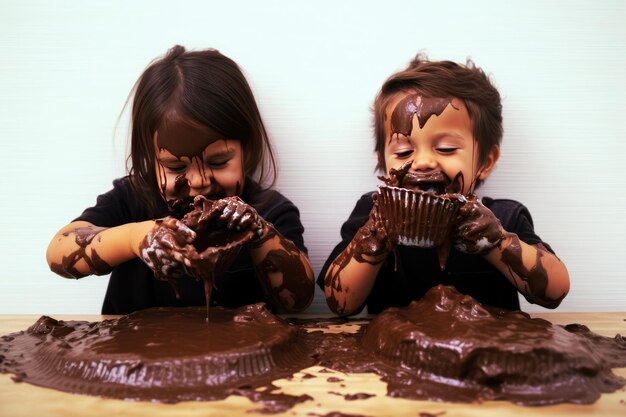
{"x":22,"y":399}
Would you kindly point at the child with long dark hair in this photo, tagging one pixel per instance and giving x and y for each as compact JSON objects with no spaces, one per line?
{"x":196,"y":131}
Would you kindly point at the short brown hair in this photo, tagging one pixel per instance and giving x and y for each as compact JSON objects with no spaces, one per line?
{"x":445,"y":79}
{"x":208,"y":88}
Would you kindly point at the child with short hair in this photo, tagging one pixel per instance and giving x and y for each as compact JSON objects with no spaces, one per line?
{"x":196,"y":131}
{"x":440,"y":116}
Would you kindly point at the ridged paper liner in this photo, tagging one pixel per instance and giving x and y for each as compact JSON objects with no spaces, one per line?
{"x":415,"y":218}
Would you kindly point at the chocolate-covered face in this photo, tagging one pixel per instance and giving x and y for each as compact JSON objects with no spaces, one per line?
{"x":436,"y":134}
{"x":191,"y":160}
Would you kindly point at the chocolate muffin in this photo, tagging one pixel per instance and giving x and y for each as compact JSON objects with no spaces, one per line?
{"x":418,"y":209}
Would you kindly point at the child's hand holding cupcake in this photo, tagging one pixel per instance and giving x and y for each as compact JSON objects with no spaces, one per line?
{"x":477,"y":230}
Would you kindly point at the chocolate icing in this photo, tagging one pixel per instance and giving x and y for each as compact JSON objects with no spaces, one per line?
{"x":461,"y":350}
{"x":445,"y":347}
{"x":160,"y":354}
{"x":183,"y":138}
{"x":415,"y":105}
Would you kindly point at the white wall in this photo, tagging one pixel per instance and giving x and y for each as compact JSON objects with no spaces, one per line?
{"x":66,"y":68}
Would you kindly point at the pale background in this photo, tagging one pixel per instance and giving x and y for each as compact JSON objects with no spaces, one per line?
{"x":66,"y":68}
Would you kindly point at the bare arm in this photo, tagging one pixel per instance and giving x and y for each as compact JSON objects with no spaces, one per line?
{"x":351,"y":276}
{"x":537,"y":273}
{"x":80,"y":248}
{"x":284,"y":272}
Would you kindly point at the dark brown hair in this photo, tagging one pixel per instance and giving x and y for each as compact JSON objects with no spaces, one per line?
{"x":445,"y":79}
{"x":208,"y":88}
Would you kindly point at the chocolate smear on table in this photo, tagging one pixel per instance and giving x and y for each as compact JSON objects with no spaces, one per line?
{"x":445,"y":347}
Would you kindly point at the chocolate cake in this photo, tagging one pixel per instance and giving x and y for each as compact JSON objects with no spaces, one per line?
{"x":158,"y":354}
{"x":450,"y":346}
{"x":445,"y":347}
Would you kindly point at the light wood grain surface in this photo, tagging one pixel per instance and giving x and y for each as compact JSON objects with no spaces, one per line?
{"x":22,"y":399}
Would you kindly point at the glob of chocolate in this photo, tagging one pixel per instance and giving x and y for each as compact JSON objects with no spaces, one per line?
{"x":435,"y":181}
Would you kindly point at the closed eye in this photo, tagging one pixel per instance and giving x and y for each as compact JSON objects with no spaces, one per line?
{"x":404,"y":154}
{"x":446,"y":150}
{"x":176,"y":169}
{"x":218,"y":163}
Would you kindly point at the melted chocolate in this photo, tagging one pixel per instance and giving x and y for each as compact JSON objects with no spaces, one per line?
{"x":216,"y":245}
{"x":454,"y":348}
{"x":415,"y":105}
{"x":434,"y":181}
{"x":535,"y":279}
{"x":445,"y":347}
{"x":370,"y":245}
{"x":161,"y":354}
{"x":198,"y":245}
{"x":478,"y":230}
{"x":97,"y":265}
{"x":183,"y":138}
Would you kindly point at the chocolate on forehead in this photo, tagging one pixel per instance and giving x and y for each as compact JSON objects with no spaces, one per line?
{"x":182,"y":137}
{"x":415,"y":104}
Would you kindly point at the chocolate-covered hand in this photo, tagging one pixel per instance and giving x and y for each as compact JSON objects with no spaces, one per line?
{"x":478,"y":230}
{"x":234,"y":213}
{"x":372,"y":238}
{"x":164,"y":248}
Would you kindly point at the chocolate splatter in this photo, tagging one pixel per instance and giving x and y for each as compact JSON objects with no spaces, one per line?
{"x":415,"y":105}
{"x":95,"y":264}
{"x":534,"y":280}
{"x":370,"y":245}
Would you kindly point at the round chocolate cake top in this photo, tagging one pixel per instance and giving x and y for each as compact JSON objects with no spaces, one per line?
{"x":159,"y":354}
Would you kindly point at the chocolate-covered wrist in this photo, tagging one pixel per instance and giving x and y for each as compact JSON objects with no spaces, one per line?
{"x":265,"y":232}
{"x":371,"y":240}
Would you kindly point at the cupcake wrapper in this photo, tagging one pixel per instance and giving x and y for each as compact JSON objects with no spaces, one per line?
{"x":414,"y":218}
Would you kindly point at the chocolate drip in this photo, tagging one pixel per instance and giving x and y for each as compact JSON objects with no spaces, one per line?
{"x":415,"y":105}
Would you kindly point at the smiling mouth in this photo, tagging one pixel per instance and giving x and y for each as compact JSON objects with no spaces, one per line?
{"x":435,"y":182}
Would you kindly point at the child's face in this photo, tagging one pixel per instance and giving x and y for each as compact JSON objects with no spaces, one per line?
{"x":436,"y":135}
{"x":191,"y":162}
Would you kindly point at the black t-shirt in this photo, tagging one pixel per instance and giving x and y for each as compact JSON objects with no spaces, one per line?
{"x":409,"y":272}
{"x":132,"y":285}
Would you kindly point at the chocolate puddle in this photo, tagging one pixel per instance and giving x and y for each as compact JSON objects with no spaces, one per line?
{"x":445,"y":347}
